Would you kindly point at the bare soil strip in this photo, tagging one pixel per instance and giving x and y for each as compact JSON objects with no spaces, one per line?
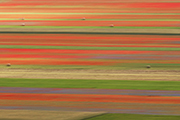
{"x":94,"y":30}
{"x":45,"y":115}
{"x":5,"y":1}
{"x":152,"y":75}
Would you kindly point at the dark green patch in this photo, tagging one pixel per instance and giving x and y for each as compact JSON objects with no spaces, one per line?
{"x":89,"y":48}
{"x":124,"y":66}
{"x":97,"y":84}
{"x":117,"y":116}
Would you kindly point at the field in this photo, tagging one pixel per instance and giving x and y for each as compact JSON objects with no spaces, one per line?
{"x":89,"y":59}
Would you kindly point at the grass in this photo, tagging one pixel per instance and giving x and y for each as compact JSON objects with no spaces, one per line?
{"x":88,"y":48}
{"x":97,"y":84}
{"x":124,"y":66}
{"x":115,"y":116}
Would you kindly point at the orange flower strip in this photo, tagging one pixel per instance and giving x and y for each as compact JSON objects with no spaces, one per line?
{"x":91,"y":98}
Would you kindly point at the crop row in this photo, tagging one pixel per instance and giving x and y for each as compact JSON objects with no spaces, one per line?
{"x":93,"y":23}
{"x":90,"y":39}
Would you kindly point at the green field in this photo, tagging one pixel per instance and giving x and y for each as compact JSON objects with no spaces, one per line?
{"x":133,"y":117}
{"x":89,"y":48}
{"x":124,"y":66}
{"x":97,"y":84}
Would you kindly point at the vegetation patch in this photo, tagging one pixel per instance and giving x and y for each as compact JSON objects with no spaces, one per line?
{"x":97,"y":84}
{"x":133,"y":116}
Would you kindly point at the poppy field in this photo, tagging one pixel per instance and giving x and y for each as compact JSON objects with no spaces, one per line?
{"x":93,"y":59}
{"x":89,"y":49}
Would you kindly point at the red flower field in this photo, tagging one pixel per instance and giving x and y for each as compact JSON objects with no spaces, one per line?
{"x":53,"y":41}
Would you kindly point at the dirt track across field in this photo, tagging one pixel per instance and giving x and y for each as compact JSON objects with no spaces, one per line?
{"x":163,"y":75}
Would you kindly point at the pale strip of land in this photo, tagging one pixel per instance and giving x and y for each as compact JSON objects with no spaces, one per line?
{"x":95,"y":19}
{"x":5,"y":1}
{"x":151,"y":75}
{"x":45,"y":115}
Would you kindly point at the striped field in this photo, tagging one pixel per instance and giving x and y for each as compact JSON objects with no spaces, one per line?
{"x":90,"y":59}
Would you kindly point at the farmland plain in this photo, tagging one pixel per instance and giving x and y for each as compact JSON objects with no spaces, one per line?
{"x":89,"y":59}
